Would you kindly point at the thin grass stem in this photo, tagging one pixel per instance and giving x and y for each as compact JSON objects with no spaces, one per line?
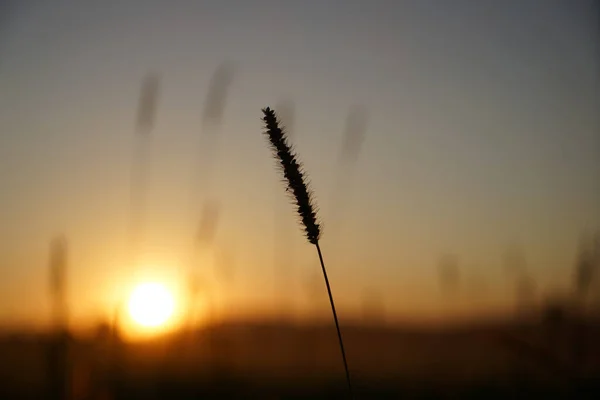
{"x":337,"y":324}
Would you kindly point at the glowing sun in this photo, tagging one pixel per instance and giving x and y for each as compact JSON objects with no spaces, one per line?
{"x":151,"y":304}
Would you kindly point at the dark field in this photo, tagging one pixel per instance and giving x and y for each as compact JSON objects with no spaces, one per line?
{"x":283,"y":361}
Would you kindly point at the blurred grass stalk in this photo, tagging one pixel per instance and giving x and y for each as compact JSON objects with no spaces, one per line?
{"x":58,"y":352}
{"x":211,"y":125}
{"x":355,"y":129}
{"x":145,"y":121}
{"x":515,"y":266}
{"x":449,"y":276}
{"x":211,"y":131}
{"x":587,"y":266}
{"x":58,"y":281}
{"x":210,"y":212}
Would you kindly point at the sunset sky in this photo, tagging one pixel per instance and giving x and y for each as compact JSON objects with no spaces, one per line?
{"x":482,"y":132}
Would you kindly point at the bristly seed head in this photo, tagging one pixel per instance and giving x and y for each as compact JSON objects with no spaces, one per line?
{"x":293,"y":174}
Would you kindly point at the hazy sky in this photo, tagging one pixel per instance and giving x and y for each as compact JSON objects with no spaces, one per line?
{"x":482,"y":132}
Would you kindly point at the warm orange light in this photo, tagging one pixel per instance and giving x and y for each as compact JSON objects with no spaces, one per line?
{"x":151,"y":305}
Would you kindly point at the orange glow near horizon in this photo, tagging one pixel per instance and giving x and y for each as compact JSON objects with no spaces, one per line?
{"x":151,"y":305}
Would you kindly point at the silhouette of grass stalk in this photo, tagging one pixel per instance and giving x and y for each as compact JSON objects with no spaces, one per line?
{"x":294,"y":176}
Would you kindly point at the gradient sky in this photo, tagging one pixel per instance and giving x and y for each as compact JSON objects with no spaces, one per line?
{"x":482,"y":133}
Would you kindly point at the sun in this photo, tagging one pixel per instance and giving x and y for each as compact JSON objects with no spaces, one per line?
{"x":151,"y":305}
